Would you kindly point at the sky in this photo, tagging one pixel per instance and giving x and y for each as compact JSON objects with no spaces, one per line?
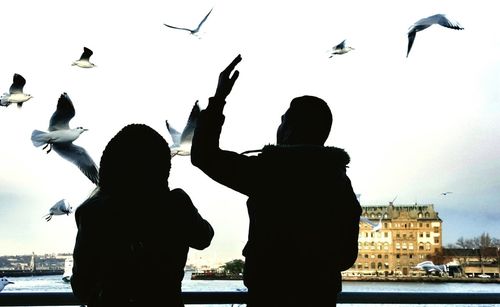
{"x":413,"y":126}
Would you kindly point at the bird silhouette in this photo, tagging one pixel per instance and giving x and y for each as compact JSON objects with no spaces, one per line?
{"x":60,"y":208}
{"x":84,"y":61}
{"x":15,"y":94}
{"x":446,"y":193}
{"x":340,"y":49}
{"x":60,"y":138}
{"x":192,"y":31}
{"x":424,"y":23}
{"x":182,"y":141}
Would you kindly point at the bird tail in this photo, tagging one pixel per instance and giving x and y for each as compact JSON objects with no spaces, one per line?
{"x":39,"y":138}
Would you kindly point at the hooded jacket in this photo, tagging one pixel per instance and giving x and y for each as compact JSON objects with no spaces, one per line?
{"x":304,"y":215}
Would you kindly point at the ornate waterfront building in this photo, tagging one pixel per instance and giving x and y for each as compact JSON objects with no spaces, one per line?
{"x":409,"y":234}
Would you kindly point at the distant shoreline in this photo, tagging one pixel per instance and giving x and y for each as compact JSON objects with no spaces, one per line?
{"x":432,"y":279}
{"x":25,"y":273}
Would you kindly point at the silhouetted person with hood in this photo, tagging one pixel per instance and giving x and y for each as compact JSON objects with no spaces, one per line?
{"x":134,"y":233}
{"x":304,"y":215}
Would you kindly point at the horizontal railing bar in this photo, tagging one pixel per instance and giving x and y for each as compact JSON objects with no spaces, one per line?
{"x":68,"y":299}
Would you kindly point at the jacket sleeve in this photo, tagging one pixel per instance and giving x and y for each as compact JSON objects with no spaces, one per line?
{"x":198,"y":231}
{"x":348,"y":230}
{"x":83,"y":282}
{"x":226,"y":167}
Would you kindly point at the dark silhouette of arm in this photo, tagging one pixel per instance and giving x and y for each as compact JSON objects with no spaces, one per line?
{"x":229,"y":168}
{"x":198,"y":231}
{"x":83,"y":281}
{"x":348,"y":226}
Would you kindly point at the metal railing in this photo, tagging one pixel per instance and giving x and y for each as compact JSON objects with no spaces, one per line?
{"x":198,"y":298}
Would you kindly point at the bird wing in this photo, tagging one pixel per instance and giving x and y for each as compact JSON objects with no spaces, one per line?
{"x":187,"y":133}
{"x":86,"y":54}
{"x":444,"y":21}
{"x":341,"y":45}
{"x":78,"y":156}
{"x":18,"y":83}
{"x":367,"y":221}
{"x":411,"y":38}
{"x":176,"y":135}
{"x":186,"y":29}
{"x":63,"y":114}
{"x":203,"y":20}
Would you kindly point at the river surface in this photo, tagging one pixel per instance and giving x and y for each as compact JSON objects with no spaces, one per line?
{"x":55,"y":283}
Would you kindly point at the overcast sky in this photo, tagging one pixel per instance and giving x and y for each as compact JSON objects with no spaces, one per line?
{"x":414,"y":127}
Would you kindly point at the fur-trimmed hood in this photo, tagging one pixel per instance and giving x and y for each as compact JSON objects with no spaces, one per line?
{"x":323,"y":154}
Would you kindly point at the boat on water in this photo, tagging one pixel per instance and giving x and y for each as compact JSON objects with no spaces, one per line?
{"x":68,"y":269}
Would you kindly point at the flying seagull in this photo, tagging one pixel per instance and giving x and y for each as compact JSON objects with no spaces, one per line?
{"x":446,"y":193}
{"x":4,"y":282}
{"x":424,"y":23}
{"x":84,"y":61}
{"x":192,"y":31}
{"x":60,"y":208}
{"x":60,"y":138}
{"x":340,"y":49}
{"x":375,"y":226}
{"x":15,"y":94}
{"x":182,"y":141}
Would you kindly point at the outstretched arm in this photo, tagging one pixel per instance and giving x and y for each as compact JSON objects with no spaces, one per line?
{"x":226,"y":167}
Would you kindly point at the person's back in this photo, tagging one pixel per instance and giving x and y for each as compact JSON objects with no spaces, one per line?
{"x":304,"y":215}
{"x":301,"y":225}
{"x":134,"y":233}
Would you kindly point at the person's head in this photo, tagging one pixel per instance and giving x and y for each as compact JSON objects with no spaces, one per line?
{"x":137,"y":157}
{"x":308,"y":120}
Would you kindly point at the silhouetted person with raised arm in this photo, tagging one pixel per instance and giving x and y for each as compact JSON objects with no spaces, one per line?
{"x":304,"y":215}
{"x":134,"y":233}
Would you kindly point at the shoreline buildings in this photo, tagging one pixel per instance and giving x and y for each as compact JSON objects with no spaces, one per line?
{"x":409,"y":234}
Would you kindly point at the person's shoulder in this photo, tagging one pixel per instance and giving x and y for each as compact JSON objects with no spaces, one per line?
{"x":179,"y":195}
{"x":89,"y":206}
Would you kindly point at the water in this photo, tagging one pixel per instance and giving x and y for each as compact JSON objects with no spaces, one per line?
{"x":56,"y":284}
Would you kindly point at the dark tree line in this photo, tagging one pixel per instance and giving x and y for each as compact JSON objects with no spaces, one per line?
{"x":484,"y":240}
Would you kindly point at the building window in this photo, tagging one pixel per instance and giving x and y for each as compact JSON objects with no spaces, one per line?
{"x":398,"y":246}
{"x":428,"y":235}
{"x":421,"y":235}
{"x":398,"y":256}
{"x":436,"y":240}
{"x":372,"y":265}
{"x":436,"y":229}
{"x":427,"y":224}
{"x":386,"y":234}
{"x":420,"y":224}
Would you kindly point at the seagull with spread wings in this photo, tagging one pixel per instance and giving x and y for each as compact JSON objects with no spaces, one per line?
{"x":192,"y":31}
{"x":341,"y":48}
{"x":15,"y":94}
{"x":84,"y":61}
{"x":424,"y":23}
{"x":60,"y":138}
{"x":182,"y":141}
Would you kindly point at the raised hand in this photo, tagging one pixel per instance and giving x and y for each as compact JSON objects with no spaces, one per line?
{"x":226,"y":81}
